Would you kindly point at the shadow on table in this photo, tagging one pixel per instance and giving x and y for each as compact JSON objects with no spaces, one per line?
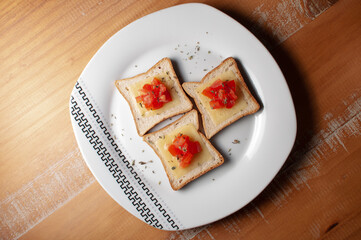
{"x":301,"y":95}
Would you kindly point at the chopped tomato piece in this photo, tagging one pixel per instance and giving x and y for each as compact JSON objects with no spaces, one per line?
{"x":222,"y":94}
{"x":195,"y":148}
{"x":208,"y":92}
{"x":174,"y":150}
{"x":231,"y":85}
{"x":217,"y":84}
{"x":186,"y":160}
{"x":147,"y":88}
{"x":216,"y":104}
{"x":138,"y":99}
{"x":162,"y":88}
{"x":180,"y":140}
{"x":232,"y":94}
{"x":230,"y":103}
{"x":184,"y":149}
{"x":154,"y":96}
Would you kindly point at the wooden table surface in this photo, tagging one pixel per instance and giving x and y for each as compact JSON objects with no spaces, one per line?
{"x":46,"y":189}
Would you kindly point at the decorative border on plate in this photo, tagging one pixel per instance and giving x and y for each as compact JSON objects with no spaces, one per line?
{"x":113,"y":168}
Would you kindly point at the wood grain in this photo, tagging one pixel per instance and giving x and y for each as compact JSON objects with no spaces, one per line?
{"x":46,"y":190}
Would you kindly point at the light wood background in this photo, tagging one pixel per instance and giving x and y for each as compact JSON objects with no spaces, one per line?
{"x":46,"y":190}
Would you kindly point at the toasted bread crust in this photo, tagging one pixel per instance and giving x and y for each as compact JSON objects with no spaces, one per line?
{"x":143,"y":127}
{"x":177,"y":184}
{"x":190,"y":87}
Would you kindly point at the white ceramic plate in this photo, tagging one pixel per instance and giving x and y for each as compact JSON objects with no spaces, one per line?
{"x":107,"y":137}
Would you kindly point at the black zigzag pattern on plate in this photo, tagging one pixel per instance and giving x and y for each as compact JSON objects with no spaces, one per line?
{"x":113,"y":167}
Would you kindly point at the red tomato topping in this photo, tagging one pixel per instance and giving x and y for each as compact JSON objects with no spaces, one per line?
{"x":222,"y":94}
{"x":154,"y":96}
{"x":184,"y":149}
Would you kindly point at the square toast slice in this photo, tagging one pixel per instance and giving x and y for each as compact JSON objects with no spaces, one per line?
{"x":221,"y":118}
{"x":202,"y":162}
{"x":146,"y":119}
